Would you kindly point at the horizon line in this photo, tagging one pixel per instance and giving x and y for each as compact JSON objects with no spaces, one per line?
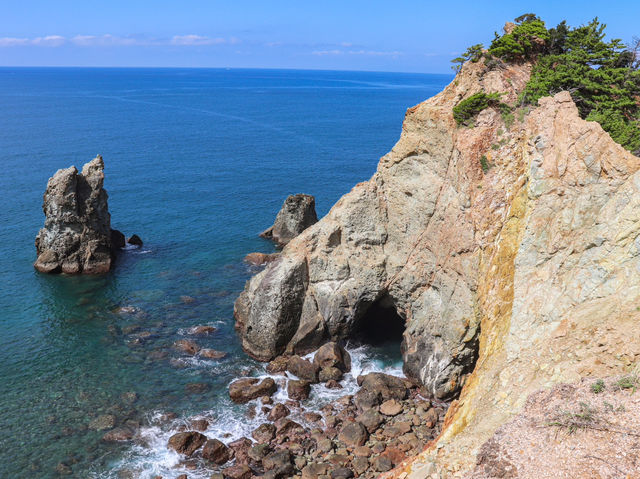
{"x":223,"y":68}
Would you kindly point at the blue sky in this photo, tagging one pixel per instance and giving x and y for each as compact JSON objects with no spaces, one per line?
{"x":410,"y":36}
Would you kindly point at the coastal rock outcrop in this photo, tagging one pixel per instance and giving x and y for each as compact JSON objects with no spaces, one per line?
{"x":297,"y":213}
{"x":509,"y":251}
{"x":404,"y":245}
{"x":77,"y":235}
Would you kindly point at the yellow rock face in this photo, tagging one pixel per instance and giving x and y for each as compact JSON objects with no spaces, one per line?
{"x":559,"y":272}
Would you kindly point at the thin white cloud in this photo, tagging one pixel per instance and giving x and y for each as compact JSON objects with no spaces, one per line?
{"x":108,"y":40}
{"x":49,"y":41}
{"x":114,"y":40}
{"x":374,"y":53}
{"x":198,"y":40}
{"x":13,"y":42}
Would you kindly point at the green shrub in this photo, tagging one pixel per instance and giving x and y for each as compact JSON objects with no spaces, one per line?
{"x":507,"y":117}
{"x":598,"y":386}
{"x":469,"y":108}
{"x":473,"y":54}
{"x":484,"y":163}
{"x":525,"y":41}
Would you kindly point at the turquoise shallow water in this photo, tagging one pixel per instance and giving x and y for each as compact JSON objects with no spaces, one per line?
{"x":197,"y":163}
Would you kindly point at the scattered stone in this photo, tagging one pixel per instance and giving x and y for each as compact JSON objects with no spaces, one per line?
{"x":312,"y":416}
{"x":365,"y":400}
{"x":278,"y":365}
{"x":134,"y":240}
{"x":197,"y":388}
{"x":129,"y":397}
{"x":279,"y":462}
{"x":199,"y":424}
{"x":186,"y":442}
{"x":384,"y":386}
{"x":212,"y":354}
{"x":333,"y":355}
{"x":187,"y":346}
{"x":341,"y":473}
{"x":315,"y":470}
{"x":216,"y":452}
{"x":325,"y":445}
{"x":64,"y":469}
{"x":240,"y":448}
{"x":391,"y":407}
{"x":264,"y":433}
{"x":333,"y":384}
{"x":106,"y":421}
{"x":370,"y":419}
{"x":203,"y":330}
{"x":297,"y":213}
{"x":286,"y":428}
{"x":330,"y":374}
{"x":395,"y":455}
{"x":118,"y":434}
{"x":360,"y":464}
{"x":244,"y":390}
{"x":353,"y":434}
{"x":259,"y":451}
{"x":278,"y":411}
{"x":303,"y":369}
{"x":239,"y":471}
{"x":382,"y":464}
{"x":396,"y":429}
{"x":430,"y":418}
{"x":298,"y":390}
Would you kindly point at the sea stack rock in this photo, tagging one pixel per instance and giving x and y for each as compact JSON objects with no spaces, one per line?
{"x":77,"y":235}
{"x":297,"y":213}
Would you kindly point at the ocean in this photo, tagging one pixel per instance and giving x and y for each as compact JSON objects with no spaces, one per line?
{"x":197,"y":163}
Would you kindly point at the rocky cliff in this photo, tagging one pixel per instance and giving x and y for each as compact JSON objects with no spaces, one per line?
{"x":77,"y":235}
{"x":509,"y":249}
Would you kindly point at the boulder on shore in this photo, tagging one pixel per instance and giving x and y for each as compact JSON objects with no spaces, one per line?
{"x":134,"y":240}
{"x":186,"y":442}
{"x":246,"y":389}
{"x":297,"y":213}
{"x":77,"y":235}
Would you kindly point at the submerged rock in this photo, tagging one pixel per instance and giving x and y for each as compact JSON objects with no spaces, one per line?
{"x":77,"y":234}
{"x":297,"y":214}
{"x":106,"y":421}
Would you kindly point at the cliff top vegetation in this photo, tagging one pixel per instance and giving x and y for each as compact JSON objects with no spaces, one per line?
{"x":603,"y":76}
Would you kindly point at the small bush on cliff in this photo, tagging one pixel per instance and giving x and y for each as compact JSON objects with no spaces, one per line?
{"x":598,"y":386}
{"x":473,"y":54}
{"x":468,"y":109}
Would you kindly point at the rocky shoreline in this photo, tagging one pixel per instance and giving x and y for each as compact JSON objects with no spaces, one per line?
{"x":388,"y":420}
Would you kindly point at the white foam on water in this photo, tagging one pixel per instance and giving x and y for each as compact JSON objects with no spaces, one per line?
{"x":150,"y":457}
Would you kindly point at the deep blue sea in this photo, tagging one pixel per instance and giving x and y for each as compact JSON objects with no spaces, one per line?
{"x":198,"y":162}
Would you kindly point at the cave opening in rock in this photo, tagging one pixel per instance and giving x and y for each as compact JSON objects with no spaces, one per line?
{"x":380,"y":324}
